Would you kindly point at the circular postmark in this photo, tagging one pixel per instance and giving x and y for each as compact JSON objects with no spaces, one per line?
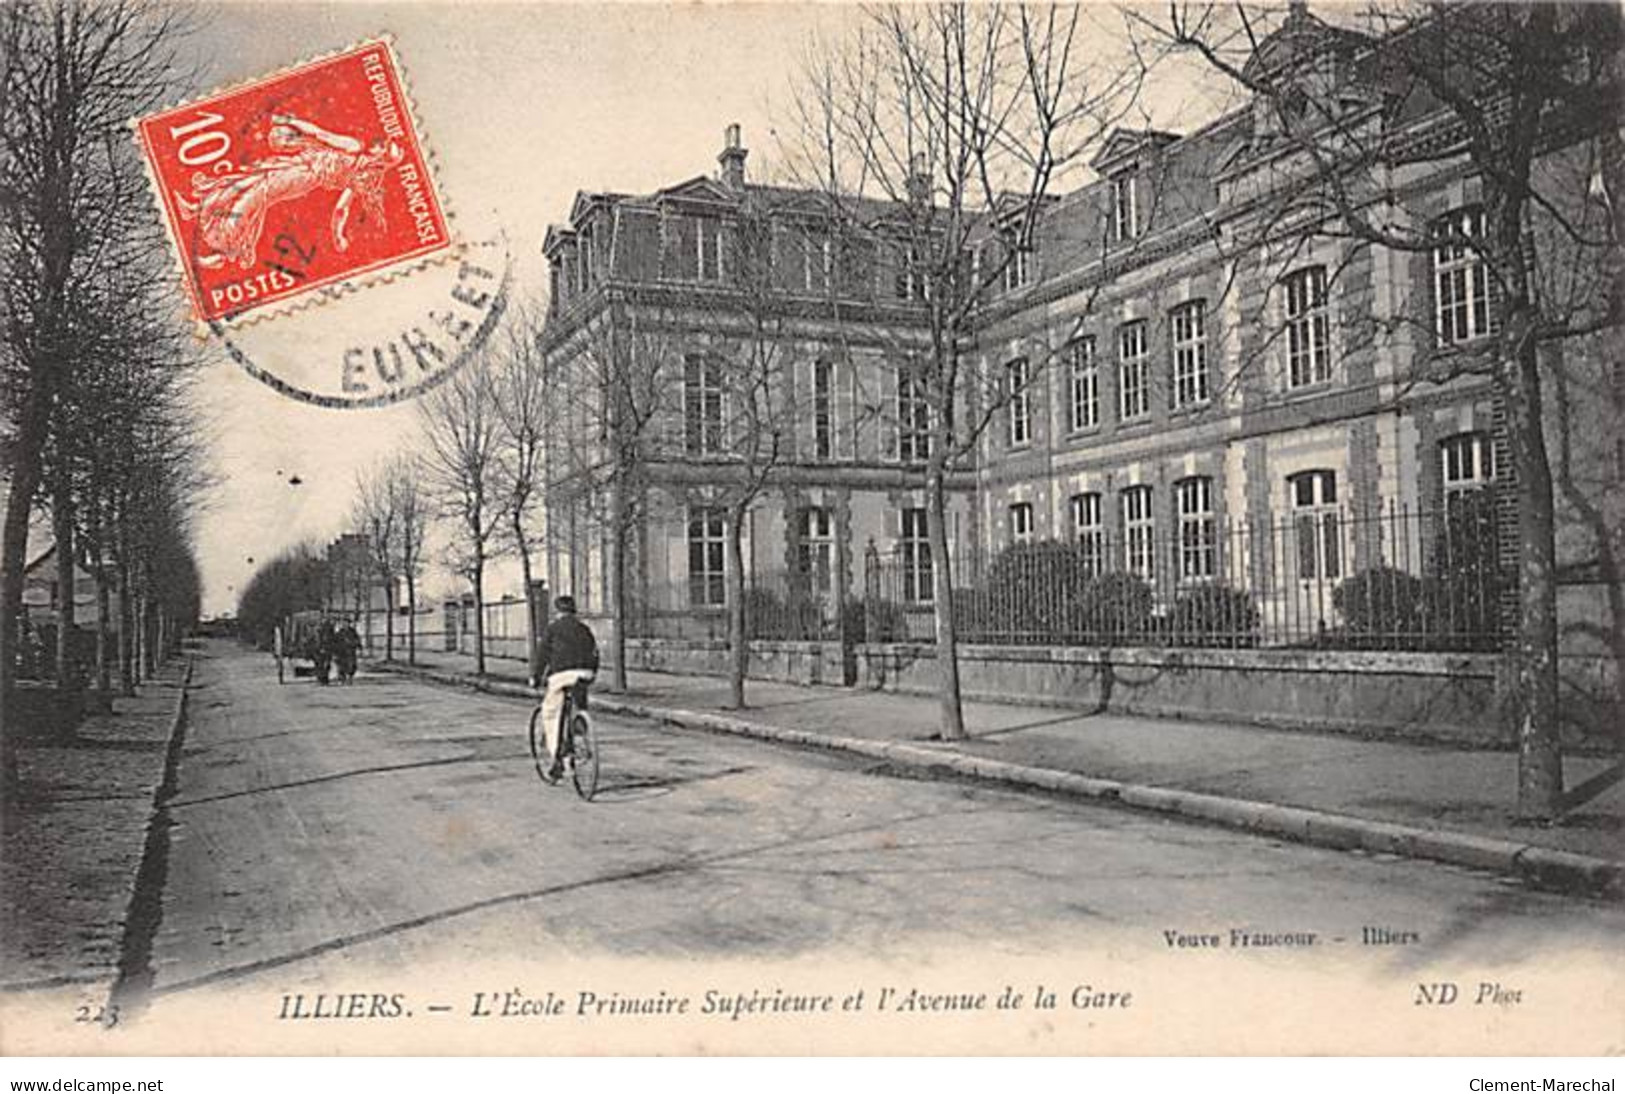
{"x":382,"y":343}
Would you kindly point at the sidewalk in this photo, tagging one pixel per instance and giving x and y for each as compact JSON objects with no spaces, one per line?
{"x":68,"y":869}
{"x":1211,"y":767}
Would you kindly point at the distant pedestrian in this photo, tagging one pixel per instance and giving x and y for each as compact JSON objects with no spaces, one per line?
{"x":322,"y":654}
{"x":346,"y":645}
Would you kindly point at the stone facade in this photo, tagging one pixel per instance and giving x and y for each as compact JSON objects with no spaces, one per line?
{"x":1256,"y":367}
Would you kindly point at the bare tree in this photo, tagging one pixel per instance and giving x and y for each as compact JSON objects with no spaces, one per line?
{"x":74,"y":73}
{"x":411,"y":525}
{"x":958,"y":119}
{"x":462,"y":432}
{"x":129,"y":409}
{"x":376,"y":518}
{"x":521,"y":403}
{"x":610,"y":396}
{"x":1512,"y":93}
{"x":152,"y":508}
{"x":746,"y":433}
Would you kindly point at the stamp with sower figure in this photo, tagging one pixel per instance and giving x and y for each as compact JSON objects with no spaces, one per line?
{"x":312,"y":178}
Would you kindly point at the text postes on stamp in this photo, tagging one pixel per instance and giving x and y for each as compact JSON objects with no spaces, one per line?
{"x":307,"y":179}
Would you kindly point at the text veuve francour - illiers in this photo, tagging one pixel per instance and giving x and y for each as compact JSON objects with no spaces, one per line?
{"x":1254,"y":938}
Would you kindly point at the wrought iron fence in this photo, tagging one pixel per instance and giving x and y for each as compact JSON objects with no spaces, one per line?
{"x":1395,"y":579}
{"x":781,"y":605}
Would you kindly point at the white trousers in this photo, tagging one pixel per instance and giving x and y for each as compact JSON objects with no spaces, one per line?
{"x":553,"y":703}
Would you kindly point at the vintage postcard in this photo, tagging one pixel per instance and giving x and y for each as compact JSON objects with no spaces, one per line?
{"x":734,"y":528}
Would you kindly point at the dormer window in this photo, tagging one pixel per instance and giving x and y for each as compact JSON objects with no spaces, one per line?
{"x":817,"y":263}
{"x":1125,"y":209}
{"x":1129,"y":153}
{"x":709,"y":234}
{"x":692,"y":248}
{"x":1018,"y":271}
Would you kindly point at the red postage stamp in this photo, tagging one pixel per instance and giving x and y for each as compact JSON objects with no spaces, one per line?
{"x":309,"y":178}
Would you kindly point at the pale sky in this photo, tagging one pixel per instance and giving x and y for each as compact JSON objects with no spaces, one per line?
{"x":522,"y":105}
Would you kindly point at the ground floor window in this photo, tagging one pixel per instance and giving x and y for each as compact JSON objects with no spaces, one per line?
{"x":914,"y":546}
{"x":815,"y":549}
{"x":1316,"y":525}
{"x":1198,"y":540}
{"x":1467,"y":463}
{"x":707,"y":571}
{"x":1021,"y":522}
{"x":1090,"y":533}
{"x":1139,"y":532}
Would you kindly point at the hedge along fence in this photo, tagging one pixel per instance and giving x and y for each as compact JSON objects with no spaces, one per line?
{"x":1425,"y":582}
{"x":779,"y":605}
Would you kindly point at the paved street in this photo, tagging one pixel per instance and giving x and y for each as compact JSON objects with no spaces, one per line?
{"x":392,"y":825}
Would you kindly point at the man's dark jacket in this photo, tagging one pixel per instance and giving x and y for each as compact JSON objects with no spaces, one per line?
{"x":566,"y":645}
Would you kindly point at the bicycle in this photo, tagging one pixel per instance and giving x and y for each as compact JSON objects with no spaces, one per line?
{"x":578,"y":745}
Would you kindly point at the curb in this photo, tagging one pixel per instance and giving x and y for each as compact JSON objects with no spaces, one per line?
{"x":1540,"y":867}
{"x":143,"y":908}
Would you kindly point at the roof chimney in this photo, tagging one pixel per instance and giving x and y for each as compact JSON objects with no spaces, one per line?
{"x":732,"y":158}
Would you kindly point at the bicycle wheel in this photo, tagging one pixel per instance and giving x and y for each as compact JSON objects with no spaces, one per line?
{"x":583,"y":755}
{"x":538,"y":746}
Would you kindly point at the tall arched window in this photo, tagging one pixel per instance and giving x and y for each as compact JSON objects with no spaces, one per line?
{"x":823,"y":409}
{"x":1134,"y":396}
{"x":1317,"y":529}
{"x":1189,"y":322}
{"x":1139,"y":533}
{"x":703,"y":402}
{"x":1308,"y":330}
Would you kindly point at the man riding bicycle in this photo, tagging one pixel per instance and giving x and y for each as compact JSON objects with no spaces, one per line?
{"x":567,"y":656}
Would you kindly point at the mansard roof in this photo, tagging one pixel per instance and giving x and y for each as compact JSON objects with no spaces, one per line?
{"x":1180,"y":188}
{"x":818,"y":203}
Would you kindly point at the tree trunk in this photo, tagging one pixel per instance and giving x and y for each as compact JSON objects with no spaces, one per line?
{"x":479,"y":615}
{"x":126,"y":629}
{"x":389,"y":618}
{"x":738,"y":646}
{"x":138,"y":639}
{"x":952,"y":727}
{"x":530,"y":600}
{"x":623,"y":606}
{"x":411,"y":620}
{"x":149,"y":658}
{"x":67,"y":676}
{"x":104,"y":623}
{"x":1534,"y":649}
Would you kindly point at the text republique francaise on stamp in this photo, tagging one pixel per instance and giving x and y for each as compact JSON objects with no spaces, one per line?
{"x":307,"y":179}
